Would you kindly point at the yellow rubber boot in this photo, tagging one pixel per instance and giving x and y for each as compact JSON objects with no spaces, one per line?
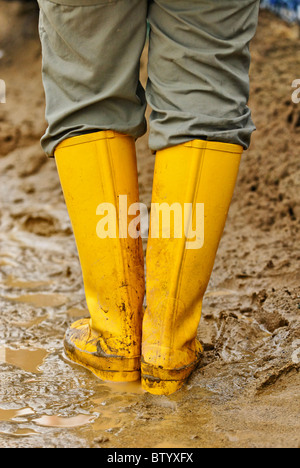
{"x":201,"y":175}
{"x":96,"y":169}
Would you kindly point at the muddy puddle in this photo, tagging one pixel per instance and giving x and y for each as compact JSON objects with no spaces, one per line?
{"x":246,"y":390}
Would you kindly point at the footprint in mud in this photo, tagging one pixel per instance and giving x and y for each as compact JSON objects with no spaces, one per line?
{"x":42,"y":224}
{"x":271,"y":320}
{"x":29,"y":160}
{"x":10,"y":136}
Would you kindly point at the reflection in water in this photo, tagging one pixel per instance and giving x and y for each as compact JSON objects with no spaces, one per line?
{"x":12,"y":282}
{"x":221,"y":293}
{"x":10,"y":414}
{"x":125,"y":387}
{"x":74,"y":313}
{"x":58,"y":421}
{"x":40,"y":300}
{"x":26,"y":359}
{"x":21,"y":432}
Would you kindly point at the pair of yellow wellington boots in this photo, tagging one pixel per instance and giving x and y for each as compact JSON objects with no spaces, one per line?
{"x":193,"y":184}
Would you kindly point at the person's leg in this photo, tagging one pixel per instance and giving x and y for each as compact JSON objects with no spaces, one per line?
{"x":91,"y":63}
{"x":198,"y":71}
{"x":95,"y":170}
{"x":198,"y":89}
{"x":95,"y":110}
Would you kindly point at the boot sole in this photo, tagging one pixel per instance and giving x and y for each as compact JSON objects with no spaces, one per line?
{"x":159,"y":381}
{"x":105,"y":367}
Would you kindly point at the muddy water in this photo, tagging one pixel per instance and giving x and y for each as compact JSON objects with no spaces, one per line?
{"x":27,"y":359}
{"x":246,"y":390}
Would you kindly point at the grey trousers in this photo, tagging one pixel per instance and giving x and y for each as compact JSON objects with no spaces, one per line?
{"x":199,"y":58}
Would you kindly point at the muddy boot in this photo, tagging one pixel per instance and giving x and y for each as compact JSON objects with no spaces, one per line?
{"x":201,"y":175}
{"x":94,"y":170}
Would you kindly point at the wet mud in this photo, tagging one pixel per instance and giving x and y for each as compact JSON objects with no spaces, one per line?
{"x":246,"y":391}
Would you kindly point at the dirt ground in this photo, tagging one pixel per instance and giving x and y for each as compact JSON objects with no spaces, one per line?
{"x":246,"y":391}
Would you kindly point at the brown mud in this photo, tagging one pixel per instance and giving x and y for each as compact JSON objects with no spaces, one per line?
{"x":246,"y":391}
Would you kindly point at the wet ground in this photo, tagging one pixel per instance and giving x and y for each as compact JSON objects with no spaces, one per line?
{"x":246,"y":391}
